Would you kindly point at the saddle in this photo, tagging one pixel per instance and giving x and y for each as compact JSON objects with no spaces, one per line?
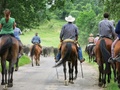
{"x":69,"y":40}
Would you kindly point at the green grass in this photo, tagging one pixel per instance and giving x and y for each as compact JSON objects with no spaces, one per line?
{"x":24,"y":60}
{"x":48,"y":32}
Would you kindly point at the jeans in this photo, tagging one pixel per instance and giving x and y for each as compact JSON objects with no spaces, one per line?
{"x":80,"y":56}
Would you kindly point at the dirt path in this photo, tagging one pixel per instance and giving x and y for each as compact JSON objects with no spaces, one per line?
{"x":44,"y":77}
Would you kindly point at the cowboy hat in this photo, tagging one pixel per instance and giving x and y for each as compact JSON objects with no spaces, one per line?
{"x":70,"y":19}
{"x":91,"y":35}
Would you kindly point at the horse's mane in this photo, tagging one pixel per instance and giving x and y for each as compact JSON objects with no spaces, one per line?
{"x":67,"y":54}
{"x":7,"y":44}
{"x":32,"y":50}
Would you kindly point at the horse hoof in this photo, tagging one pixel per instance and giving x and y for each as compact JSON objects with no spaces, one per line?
{"x":119,"y":85}
{"x":75,"y":78}
{"x":5,"y":87}
{"x":10,"y":84}
{"x":100,"y":84}
{"x":66,"y":83}
{"x":2,"y":83}
{"x":71,"y":82}
{"x":16,"y":69}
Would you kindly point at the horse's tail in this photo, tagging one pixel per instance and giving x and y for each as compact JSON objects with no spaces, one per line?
{"x":105,"y":53}
{"x":66,"y":56}
{"x":7,"y":44}
{"x":32,"y":50}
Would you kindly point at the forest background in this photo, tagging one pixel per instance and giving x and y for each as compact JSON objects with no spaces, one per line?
{"x":88,"y":13}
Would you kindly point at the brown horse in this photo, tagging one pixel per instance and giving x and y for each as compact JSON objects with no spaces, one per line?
{"x":69,"y":53}
{"x":117,"y":63}
{"x":9,"y":48}
{"x":35,"y":52}
{"x":102,"y":53}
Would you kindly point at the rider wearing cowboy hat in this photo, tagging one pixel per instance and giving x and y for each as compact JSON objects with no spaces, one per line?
{"x":70,"y":31}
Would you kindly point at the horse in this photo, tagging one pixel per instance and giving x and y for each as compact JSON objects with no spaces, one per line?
{"x":35,"y":52}
{"x":68,"y":54}
{"x":102,"y":54}
{"x":117,"y":61}
{"x":9,"y":49}
{"x":20,"y":54}
{"x":90,"y":51}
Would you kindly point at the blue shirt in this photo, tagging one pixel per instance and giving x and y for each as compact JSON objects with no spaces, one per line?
{"x":69,"y":31}
{"x":117,"y":29}
{"x":36,"y":39}
{"x":17,"y":33}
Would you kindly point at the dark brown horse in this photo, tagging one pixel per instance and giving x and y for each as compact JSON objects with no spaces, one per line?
{"x":102,"y":53}
{"x":35,"y":52}
{"x":90,"y":51}
{"x":9,"y":48}
{"x":69,"y":53}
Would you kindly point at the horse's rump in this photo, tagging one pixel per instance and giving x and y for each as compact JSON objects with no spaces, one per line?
{"x":10,"y":45}
{"x":68,"y":53}
{"x":35,"y":49}
{"x":103,"y":49}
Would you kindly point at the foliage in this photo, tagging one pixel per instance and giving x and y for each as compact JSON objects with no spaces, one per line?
{"x":112,"y":6}
{"x":29,"y":13}
{"x":86,"y":22}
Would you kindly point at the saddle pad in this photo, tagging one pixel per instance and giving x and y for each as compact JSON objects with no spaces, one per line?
{"x":69,"y":40}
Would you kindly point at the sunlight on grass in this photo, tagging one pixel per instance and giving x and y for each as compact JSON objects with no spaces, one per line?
{"x":48,"y":32}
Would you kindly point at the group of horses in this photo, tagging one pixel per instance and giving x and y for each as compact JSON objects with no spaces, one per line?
{"x":9,"y":50}
{"x":101,"y":52}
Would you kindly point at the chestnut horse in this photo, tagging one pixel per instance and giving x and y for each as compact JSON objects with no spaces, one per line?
{"x":117,"y":59}
{"x":102,"y":54}
{"x":9,"y":49}
{"x":35,"y":52}
{"x":68,"y":53}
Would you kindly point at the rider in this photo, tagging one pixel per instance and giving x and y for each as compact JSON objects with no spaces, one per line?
{"x":91,"y":39}
{"x":117,"y":30}
{"x":7,"y":24}
{"x":17,"y":33}
{"x":106,"y":28}
{"x":96,"y":39}
{"x":70,"y":31}
{"x":36,"y":40}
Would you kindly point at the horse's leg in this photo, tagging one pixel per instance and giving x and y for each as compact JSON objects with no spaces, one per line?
{"x":3,"y":64}
{"x":100,"y":75}
{"x":38,"y":60}
{"x":109,"y":74}
{"x":114,"y":71}
{"x":10,"y":75}
{"x":76,"y":70}
{"x":64,"y":69}
{"x":72,"y":69}
{"x":69,"y":65}
{"x":16,"y":69}
{"x":32,"y":61}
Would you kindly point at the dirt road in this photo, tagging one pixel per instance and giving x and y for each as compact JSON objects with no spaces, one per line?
{"x":44,"y":77}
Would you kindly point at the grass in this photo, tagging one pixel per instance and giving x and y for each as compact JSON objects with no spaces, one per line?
{"x":22,"y":61}
{"x":48,"y":32}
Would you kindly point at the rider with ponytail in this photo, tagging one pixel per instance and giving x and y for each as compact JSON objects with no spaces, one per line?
{"x":7,"y":24}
